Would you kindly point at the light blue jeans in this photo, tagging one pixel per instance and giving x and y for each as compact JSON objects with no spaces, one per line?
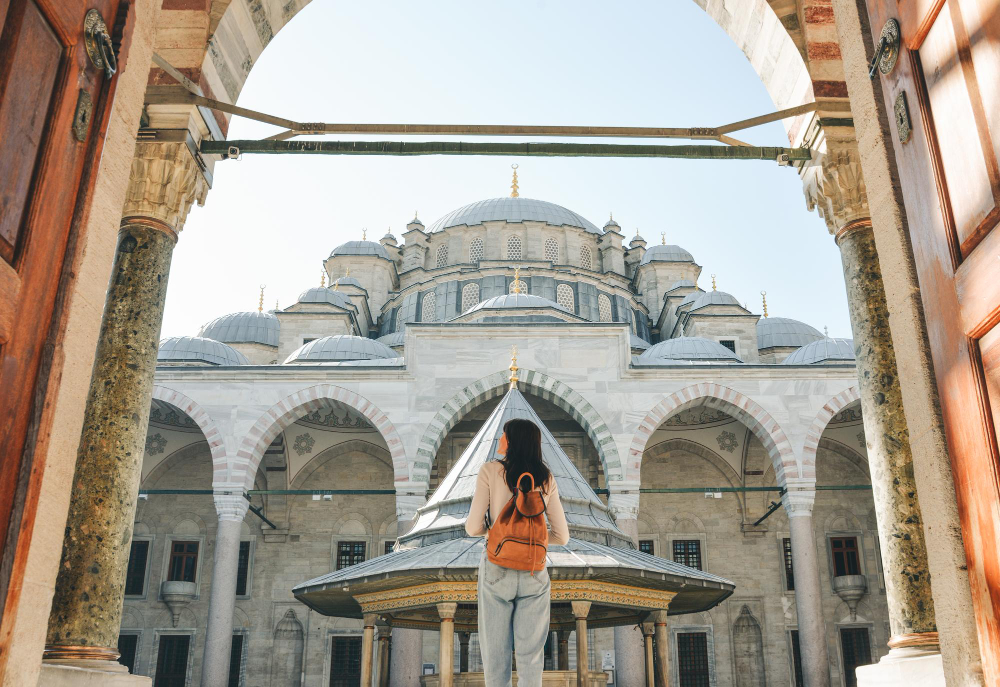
{"x":513,"y":614}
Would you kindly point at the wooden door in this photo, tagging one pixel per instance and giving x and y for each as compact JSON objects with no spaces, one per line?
{"x":949,"y":71}
{"x":54,"y":109}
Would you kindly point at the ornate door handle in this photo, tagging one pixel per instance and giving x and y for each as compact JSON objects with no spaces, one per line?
{"x":98,"y":42}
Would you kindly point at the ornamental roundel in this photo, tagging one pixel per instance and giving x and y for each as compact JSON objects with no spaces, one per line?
{"x":304,"y":444}
{"x":727,"y":441}
{"x":155,"y":444}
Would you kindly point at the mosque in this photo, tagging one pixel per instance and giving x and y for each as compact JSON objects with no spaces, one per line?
{"x":723,"y":519}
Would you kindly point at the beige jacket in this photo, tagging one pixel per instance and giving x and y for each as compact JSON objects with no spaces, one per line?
{"x":492,"y":492}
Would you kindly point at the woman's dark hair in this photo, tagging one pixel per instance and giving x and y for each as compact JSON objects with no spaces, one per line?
{"x":524,"y":454}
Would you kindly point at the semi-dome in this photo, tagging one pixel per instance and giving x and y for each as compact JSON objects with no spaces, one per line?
{"x":688,"y":348}
{"x":513,"y":210}
{"x":338,"y":348}
{"x":773,"y":332}
{"x":714,"y":298}
{"x":322,"y":294}
{"x":361,"y":248}
{"x":824,"y":350}
{"x":346,"y":281}
{"x":682,"y":283}
{"x":691,"y":298}
{"x":243,"y":327}
{"x":666,"y":253}
{"x":514,"y":301}
{"x":195,"y":349}
{"x":638,"y":343}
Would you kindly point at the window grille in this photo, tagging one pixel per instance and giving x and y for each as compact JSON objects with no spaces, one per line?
{"x":442,"y":256}
{"x":564,"y":296}
{"x":428,"y":307}
{"x":692,"y":659}
{"x":128,"y":646}
{"x":845,"y":556}
{"x":513,"y":248}
{"x":786,"y":552}
{"x":388,"y":545}
{"x":135,"y":575}
{"x":399,"y":320}
{"x":470,"y":296}
{"x":517,"y":286}
{"x":688,"y":552}
{"x":183,"y":561}
{"x":551,"y":250}
{"x":476,"y":251}
{"x":345,"y":662}
{"x":350,"y":553}
{"x":236,"y":661}
{"x":604,"y":307}
{"x":172,"y":660}
{"x":646,"y":546}
{"x":729,"y":343}
{"x":856,"y":650}
{"x":243,"y":569}
{"x":797,"y":659}
{"x":586,"y":261}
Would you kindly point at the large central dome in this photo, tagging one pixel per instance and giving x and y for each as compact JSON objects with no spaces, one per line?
{"x":513,"y":210}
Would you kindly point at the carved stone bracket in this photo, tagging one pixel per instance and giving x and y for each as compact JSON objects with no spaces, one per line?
{"x":164,"y":182}
{"x":835,"y":186}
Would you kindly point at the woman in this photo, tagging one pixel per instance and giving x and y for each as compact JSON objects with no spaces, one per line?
{"x":514,"y":604}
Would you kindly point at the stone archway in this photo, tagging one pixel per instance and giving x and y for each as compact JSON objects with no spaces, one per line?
{"x":815,"y":434}
{"x":719,"y":397}
{"x":536,"y":383}
{"x":283,"y":413}
{"x":201,"y":418}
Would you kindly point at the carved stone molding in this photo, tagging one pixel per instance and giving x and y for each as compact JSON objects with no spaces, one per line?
{"x":798,"y":502}
{"x":231,"y":504}
{"x":164,"y":182}
{"x":835,"y":186}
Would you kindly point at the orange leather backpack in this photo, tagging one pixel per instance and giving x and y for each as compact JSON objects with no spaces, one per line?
{"x":519,"y":538}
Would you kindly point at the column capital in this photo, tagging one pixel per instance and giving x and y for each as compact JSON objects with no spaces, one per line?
{"x":408,"y":500}
{"x":164,"y":182}
{"x":798,"y":502}
{"x":624,"y":504}
{"x":647,"y":629}
{"x":230,"y":504}
{"x":581,"y":609}
{"x":835,"y":186}
{"x":447,"y":610}
{"x":369,"y":619}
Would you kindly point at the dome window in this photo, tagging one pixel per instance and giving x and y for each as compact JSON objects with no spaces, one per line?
{"x":399,"y":320}
{"x":604,"y":307}
{"x":470,"y":296}
{"x":564,"y":297}
{"x":586,"y":261}
{"x":428,"y":307}
{"x":514,"y":248}
{"x":442,"y":255}
{"x":551,"y":250}
{"x":476,"y":251}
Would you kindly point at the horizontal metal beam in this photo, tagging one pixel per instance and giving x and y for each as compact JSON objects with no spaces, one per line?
{"x":228,"y":149}
{"x":374,"y":492}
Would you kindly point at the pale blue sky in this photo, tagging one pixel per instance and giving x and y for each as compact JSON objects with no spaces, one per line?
{"x":273,"y":219}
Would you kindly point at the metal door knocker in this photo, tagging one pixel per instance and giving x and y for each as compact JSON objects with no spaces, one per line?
{"x":98,"y":42}
{"x":887,"y":50}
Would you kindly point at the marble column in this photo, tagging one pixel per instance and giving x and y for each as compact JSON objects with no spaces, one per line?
{"x":662,"y":636}
{"x":407,"y":656}
{"x":629,"y":657}
{"x":384,"y":647}
{"x":563,"y":651}
{"x":581,"y":609}
{"x":87,"y":604}
{"x":650,"y":664}
{"x":446,"y":656}
{"x":798,"y":504}
{"x":463,"y":651}
{"x":367,"y":649}
{"x":231,"y":507}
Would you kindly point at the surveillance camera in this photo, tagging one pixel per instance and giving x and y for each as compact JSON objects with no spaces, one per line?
{"x":234,"y":152}
{"x":783,"y":160}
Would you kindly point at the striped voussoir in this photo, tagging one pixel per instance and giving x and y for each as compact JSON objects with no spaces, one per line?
{"x":212,"y":435}
{"x":823,"y":417}
{"x":730,"y":401}
{"x":537,"y":384}
{"x":296,"y":406}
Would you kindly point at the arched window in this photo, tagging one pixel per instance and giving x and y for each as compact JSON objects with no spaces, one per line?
{"x":517,"y":286}
{"x":586,"y":262}
{"x":604,"y":307}
{"x":476,"y":251}
{"x":551,"y":250}
{"x":442,"y":255}
{"x":564,"y":296}
{"x":470,"y":296}
{"x":428,"y":307}
{"x":514,"y":248}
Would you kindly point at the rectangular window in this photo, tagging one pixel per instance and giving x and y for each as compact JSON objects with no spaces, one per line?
{"x":172,"y":660}
{"x":345,"y":662}
{"x":786,"y":552}
{"x":692,"y":659}
{"x":688,"y":552}
{"x":243,"y":569}
{"x":135,"y":575}
{"x":857,"y":652}
{"x":236,"y":661}
{"x":350,"y":553}
{"x":729,"y":343}
{"x":646,"y":546}
{"x":389,"y":544}
{"x":128,"y":645}
{"x":183,"y":561}
{"x":845,"y":556}
{"x":797,"y":660}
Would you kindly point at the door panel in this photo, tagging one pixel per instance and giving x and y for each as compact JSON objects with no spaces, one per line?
{"x":951,"y":188}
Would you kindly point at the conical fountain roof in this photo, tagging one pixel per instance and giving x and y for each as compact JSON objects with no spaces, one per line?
{"x":444,"y":515}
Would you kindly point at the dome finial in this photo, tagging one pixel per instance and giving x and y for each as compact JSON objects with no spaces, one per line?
{"x":322,"y":278}
{"x":763,"y":297}
{"x":260,"y":305}
{"x":663,"y":238}
{"x":513,"y":366}
{"x":364,"y":234}
{"x":713,"y":282}
{"x":517,"y":280}
{"x":826,"y":332}
{"x":513,"y":184}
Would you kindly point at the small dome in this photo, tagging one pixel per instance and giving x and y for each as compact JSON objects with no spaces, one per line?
{"x":714,"y":298}
{"x":691,"y":298}
{"x":691,"y":348}
{"x":639,"y":343}
{"x":824,"y":350}
{"x":322,"y":294}
{"x":611,"y":225}
{"x":782,"y":331}
{"x":515,"y":300}
{"x":513,"y":210}
{"x":342,"y":347}
{"x":667,"y":253}
{"x":243,"y":327}
{"x":394,"y":340}
{"x":416,"y":220}
{"x":183,"y":349}
{"x":346,"y":281}
{"x":389,"y":238}
{"x":682,"y":283}
{"x":361,"y":248}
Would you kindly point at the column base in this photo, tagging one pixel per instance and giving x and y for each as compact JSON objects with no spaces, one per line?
{"x":905,"y":667}
{"x":89,"y":674}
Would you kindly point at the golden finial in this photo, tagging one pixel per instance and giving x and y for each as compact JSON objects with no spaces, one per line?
{"x":713,"y":282}
{"x":637,"y":232}
{"x":322,"y":278}
{"x":663,"y":237}
{"x":348,"y":272}
{"x":260,"y":305}
{"x":826,"y":331}
{"x":275,"y":303}
{"x":517,"y":279}
{"x":763,"y":297}
{"x":513,"y":184}
{"x":364,"y":234}
{"x":513,"y":366}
